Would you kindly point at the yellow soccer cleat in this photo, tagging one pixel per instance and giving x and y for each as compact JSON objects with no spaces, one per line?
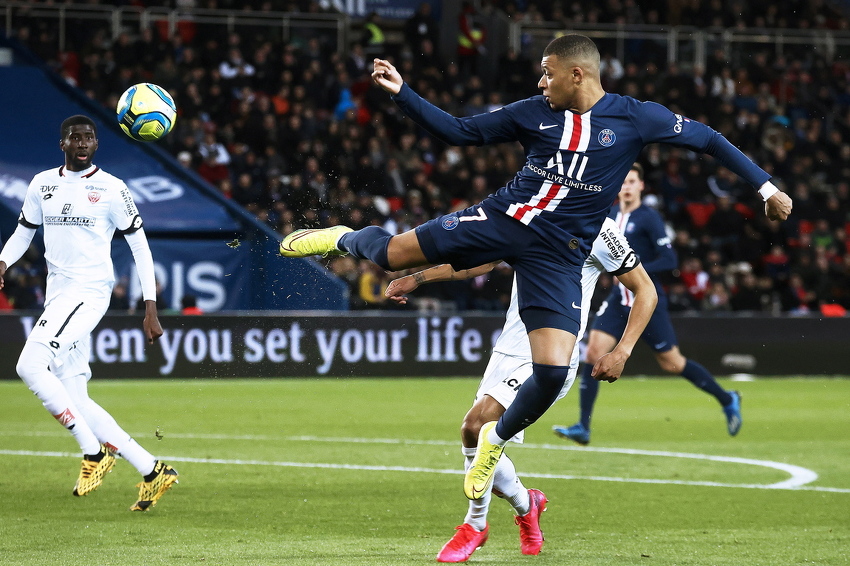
{"x":92,"y":471}
{"x":479,"y":476}
{"x":304,"y":243}
{"x":150,"y":491}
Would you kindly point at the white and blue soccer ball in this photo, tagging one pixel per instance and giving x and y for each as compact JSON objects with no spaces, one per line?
{"x":146,"y":112}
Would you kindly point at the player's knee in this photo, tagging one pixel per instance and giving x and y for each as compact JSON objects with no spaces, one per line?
{"x":34,"y":359}
{"x":671,"y":363}
{"x":469,"y":429}
{"x":593,"y":353}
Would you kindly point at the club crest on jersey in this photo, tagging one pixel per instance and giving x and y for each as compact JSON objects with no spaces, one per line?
{"x":450,"y":222}
{"x":607,"y":137}
{"x":94,"y":196}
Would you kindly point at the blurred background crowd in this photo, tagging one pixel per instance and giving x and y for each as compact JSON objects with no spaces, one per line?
{"x":296,"y":133}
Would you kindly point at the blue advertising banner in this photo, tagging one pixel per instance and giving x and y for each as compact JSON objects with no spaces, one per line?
{"x":31,"y":110}
{"x":217,"y":275}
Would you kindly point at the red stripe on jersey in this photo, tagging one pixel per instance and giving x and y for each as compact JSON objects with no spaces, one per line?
{"x":576,"y":137}
{"x":543,"y":203}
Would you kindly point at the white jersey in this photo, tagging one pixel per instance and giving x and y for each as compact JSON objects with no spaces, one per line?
{"x":80,"y":212}
{"x":510,"y":364}
{"x":610,"y":253}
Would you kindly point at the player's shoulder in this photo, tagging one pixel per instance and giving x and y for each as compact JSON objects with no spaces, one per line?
{"x":646,"y":211}
{"x":534,"y":104}
{"x":47,"y":174}
{"x":107,"y":179}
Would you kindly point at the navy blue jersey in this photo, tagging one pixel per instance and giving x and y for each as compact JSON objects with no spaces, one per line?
{"x":576,"y":163}
{"x":645,"y":231}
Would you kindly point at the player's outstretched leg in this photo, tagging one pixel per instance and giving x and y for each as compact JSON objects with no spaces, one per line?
{"x":732,"y":410}
{"x":479,"y":476}
{"x":92,"y":470}
{"x":305,"y":243}
{"x":461,"y":546}
{"x":530,"y":535}
{"x":154,"y":486}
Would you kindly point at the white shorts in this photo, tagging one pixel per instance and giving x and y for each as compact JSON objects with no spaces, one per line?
{"x":74,"y":362}
{"x":68,"y":319}
{"x":504,"y":376}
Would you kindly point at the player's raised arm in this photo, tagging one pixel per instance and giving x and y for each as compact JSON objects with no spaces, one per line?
{"x":386,"y":76}
{"x":610,"y":366}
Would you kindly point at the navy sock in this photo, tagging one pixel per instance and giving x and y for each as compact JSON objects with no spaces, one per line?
{"x":533,"y":399}
{"x":369,"y":243}
{"x":587,"y":393}
{"x":700,"y":377}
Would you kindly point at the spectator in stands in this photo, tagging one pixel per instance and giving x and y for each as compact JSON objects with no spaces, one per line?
{"x":189,"y":305}
{"x":778,"y":117}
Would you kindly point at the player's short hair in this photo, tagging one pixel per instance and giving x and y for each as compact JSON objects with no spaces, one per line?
{"x":76,"y":120}
{"x":573,"y":48}
{"x":638,"y":168}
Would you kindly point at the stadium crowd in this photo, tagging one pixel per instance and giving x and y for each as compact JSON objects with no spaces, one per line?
{"x":297,"y":134}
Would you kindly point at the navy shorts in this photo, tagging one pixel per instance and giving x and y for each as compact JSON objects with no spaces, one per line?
{"x":613,"y":315}
{"x":548,"y":281}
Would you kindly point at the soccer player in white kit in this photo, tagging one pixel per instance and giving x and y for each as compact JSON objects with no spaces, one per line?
{"x":509,"y":367}
{"x":81,"y":206}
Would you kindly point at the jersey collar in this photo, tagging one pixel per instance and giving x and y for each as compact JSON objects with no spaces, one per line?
{"x":84,"y":174}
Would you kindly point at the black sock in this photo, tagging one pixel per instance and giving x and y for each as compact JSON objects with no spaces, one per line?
{"x":151,"y":476}
{"x":95,"y":457}
{"x":369,"y":243}
{"x":700,"y":377}
{"x":587,"y":393}
{"x":533,"y":399}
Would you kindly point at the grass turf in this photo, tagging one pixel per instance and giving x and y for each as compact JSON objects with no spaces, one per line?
{"x":247,"y":496}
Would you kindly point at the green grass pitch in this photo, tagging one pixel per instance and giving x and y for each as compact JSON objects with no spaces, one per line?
{"x":360,"y":472}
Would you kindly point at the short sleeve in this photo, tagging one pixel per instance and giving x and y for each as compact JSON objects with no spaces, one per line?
{"x":31,"y":213}
{"x":612,"y":251}
{"x":123,"y":211}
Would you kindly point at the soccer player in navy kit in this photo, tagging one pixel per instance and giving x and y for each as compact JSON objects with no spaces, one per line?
{"x":580,"y":142}
{"x":645,"y":231}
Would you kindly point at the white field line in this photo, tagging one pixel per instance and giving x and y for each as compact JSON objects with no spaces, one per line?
{"x":799,"y":479}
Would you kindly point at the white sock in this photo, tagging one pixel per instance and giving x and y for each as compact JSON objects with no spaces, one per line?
{"x":32,"y":368}
{"x":494,"y":438}
{"x":105,"y":428}
{"x":476,"y":514}
{"x":508,"y":486}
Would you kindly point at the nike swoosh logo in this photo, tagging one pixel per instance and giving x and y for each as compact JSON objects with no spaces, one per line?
{"x":542,"y":127}
{"x":575,"y":306}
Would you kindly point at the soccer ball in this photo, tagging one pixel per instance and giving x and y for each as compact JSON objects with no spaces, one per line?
{"x":146,"y":112}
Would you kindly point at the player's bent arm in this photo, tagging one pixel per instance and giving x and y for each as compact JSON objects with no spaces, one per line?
{"x":610,"y":366}
{"x":445,"y":272}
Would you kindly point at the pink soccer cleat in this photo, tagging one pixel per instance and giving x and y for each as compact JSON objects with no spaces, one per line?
{"x":530,"y":535}
{"x":461,"y":546}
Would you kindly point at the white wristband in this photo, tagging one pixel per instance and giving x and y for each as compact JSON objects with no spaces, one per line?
{"x":768,"y":190}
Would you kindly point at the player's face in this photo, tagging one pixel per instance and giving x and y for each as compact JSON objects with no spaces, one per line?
{"x":79,"y":146}
{"x":631,"y":189}
{"x":558,"y":83}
